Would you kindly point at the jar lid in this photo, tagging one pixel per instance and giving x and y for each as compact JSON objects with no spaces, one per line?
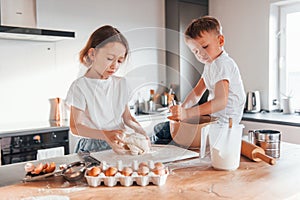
{"x":267,"y":135}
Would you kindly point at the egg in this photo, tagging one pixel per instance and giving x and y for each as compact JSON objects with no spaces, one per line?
{"x":159,"y":171}
{"x":94,"y":171}
{"x":111,"y":171}
{"x":143,"y":164}
{"x":159,"y":165}
{"x":144,"y":170}
{"x":127,"y":171}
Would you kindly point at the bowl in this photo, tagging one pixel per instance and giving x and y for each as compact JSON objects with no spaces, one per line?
{"x":187,"y":133}
{"x":74,"y":171}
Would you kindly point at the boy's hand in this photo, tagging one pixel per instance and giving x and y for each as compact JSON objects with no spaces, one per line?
{"x":178,"y":113}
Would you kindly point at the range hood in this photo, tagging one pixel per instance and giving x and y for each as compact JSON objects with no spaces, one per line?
{"x":19,"y":21}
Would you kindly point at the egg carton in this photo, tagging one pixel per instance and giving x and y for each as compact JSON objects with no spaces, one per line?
{"x":141,"y":180}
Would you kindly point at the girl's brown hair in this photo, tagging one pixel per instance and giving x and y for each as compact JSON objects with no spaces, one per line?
{"x":100,"y":38}
{"x":205,"y":23}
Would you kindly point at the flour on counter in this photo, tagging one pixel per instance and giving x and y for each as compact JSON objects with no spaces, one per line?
{"x":47,"y":197}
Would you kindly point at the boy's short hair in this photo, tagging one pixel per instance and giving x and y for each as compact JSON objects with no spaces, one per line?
{"x":205,"y":23}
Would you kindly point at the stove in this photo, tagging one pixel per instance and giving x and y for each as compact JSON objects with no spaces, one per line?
{"x":23,"y":148}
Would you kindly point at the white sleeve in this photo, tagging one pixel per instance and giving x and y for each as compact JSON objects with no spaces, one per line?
{"x":223,"y":71}
{"x":126,"y":90}
{"x":75,"y":97}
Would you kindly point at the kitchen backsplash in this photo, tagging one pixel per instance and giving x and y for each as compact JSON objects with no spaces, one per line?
{"x":29,"y":77}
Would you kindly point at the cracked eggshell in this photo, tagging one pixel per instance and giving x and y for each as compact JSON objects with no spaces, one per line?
{"x":38,"y":169}
{"x":29,"y":167}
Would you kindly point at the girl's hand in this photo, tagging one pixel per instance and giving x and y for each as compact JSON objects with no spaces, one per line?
{"x":114,"y":139}
{"x":178,"y":113}
{"x":113,"y":136}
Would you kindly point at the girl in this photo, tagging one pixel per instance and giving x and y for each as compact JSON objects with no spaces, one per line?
{"x":98,"y":100}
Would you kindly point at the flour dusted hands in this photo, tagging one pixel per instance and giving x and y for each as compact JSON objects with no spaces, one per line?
{"x":114,"y":139}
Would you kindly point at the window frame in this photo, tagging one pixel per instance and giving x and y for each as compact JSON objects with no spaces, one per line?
{"x":284,"y":10}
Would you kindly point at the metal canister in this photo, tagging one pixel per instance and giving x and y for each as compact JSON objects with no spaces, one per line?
{"x":269,"y":140}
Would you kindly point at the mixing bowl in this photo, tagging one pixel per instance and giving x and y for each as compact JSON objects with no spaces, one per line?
{"x":187,"y":133}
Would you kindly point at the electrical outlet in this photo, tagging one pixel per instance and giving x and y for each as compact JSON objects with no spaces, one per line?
{"x":275,"y":102}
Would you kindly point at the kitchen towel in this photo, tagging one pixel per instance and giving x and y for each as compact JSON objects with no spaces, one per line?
{"x":50,"y":153}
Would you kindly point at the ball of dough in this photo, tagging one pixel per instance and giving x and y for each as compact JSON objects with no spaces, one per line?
{"x":137,"y":143}
{"x":94,"y":171}
{"x":127,"y":171}
{"x":111,"y":171}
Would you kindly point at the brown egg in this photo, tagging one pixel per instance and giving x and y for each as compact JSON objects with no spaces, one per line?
{"x":158,"y":171}
{"x":38,"y":169}
{"x":111,"y":171}
{"x":94,"y":171}
{"x":159,"y":165}
{"x":144,"y":170}
{"x":127,"y":171}
{"x":50,"y":167}
{"x":143,"y":164}
{"x":29,"y":167}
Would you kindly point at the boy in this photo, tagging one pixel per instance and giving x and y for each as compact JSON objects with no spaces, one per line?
{"x":221,"y":75}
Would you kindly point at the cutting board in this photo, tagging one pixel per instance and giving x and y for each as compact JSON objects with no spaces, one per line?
{"x":159,"y":153}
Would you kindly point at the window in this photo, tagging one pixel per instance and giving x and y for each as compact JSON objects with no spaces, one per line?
{"x":289,"y":56}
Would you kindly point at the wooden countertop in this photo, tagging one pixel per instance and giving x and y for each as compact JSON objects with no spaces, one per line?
{"x":187,"y":180}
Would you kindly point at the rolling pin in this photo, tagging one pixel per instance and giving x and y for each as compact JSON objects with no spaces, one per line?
{"x":256,"y":153}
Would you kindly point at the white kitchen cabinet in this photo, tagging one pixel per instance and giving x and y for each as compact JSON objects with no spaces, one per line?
{"x":289,"y":134}
{"x":20,"y":13}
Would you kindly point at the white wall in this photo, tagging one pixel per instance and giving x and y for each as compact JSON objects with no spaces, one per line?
{"x":246,"y":29}
{"x":33,"y":72}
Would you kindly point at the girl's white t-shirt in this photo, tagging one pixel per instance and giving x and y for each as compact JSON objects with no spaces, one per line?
{"x":224,"y":68}
{"x":102,"y":100}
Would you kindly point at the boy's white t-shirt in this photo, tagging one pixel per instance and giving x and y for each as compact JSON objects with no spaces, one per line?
{"x":102,"y":100}
{"x":224,"y":68}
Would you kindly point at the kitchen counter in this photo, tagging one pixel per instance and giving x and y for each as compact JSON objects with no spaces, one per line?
{"x":25,"y":128}
{"x":187,"y":180}
{"x":273,"y":118}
